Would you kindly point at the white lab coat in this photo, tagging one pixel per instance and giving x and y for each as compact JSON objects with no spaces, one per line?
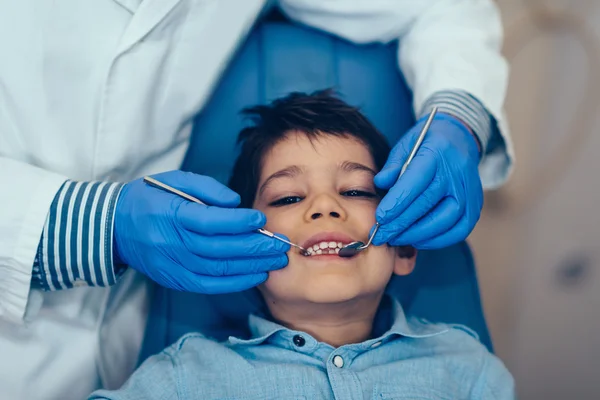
{"x":104,"y":90}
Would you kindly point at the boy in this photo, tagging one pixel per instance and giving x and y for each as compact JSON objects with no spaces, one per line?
{"x":328,"y":331}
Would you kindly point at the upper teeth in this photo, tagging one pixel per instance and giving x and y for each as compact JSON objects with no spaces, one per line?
{"x":324,"y":248}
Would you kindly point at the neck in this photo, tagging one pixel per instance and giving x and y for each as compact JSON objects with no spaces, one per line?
{"x":336,"y":324}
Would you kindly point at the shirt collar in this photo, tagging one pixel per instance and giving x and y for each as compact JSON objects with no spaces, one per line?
{"x":410,"y":326}
{"x":390,"y":322}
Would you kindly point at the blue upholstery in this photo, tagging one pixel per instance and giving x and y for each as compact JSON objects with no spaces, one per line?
{"x":278,"y":58}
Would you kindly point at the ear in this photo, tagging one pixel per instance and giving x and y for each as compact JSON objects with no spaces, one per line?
{"x":406,"y":258}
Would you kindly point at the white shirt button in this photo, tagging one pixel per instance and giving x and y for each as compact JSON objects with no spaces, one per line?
{"x":376,"y":344}
{"x":338,"y":361}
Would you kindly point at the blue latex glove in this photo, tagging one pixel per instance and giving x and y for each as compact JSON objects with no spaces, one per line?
{"x":438,"y":200}
{"x":191,"y":247}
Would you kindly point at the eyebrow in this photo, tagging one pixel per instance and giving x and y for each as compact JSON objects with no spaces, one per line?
{"x":350,"y":166}
{"x":289,"y":172}
{"x":294,"y":170}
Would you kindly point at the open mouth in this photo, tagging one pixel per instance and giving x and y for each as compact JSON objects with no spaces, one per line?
{"x":325,"y":248}
{"x":326,"y":243}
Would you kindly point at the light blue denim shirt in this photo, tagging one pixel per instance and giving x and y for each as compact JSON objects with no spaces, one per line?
{"x":412,"y":359}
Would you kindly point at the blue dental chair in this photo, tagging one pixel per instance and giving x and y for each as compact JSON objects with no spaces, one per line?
{"x":277,"y":58}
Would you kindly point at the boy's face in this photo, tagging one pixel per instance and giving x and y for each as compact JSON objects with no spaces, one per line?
{"x":318,"y":192}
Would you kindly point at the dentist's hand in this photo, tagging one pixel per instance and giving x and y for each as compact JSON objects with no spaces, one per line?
{"x":438,"y":200}
{"x":191,"y":247}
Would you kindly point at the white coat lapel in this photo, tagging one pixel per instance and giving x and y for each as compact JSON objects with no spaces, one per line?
{"x":146,"y":17}
{"x":130,"y":5}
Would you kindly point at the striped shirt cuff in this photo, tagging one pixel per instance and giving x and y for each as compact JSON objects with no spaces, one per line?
{"x":76,"y":248}
{"x":468,"y":109}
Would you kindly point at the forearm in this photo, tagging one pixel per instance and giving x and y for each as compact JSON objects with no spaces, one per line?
{"x":76,"y":244}
{"x":444,"y":47}
{"x":456,"y":45}
{"x":443,"y":44}
{"x":451,"y":57}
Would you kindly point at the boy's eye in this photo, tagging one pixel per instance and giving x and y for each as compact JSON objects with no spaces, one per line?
{"x":284,"y":201}
{"x":358,"y":193}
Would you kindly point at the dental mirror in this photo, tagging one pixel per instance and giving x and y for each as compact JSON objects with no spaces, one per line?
{"x":352,"y":249}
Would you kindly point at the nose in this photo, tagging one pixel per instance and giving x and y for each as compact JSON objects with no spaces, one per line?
{"x":325,"y":206}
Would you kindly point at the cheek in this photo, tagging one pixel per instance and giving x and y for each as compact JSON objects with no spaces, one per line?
{"x":383,"y":257}
{"x":363,"y":214}
{"x":282,"y":283}
{"x":278,"y":220}
{"x":275,"y":216}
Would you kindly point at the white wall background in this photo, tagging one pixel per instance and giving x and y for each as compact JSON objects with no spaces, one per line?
{"x":538,"y":242}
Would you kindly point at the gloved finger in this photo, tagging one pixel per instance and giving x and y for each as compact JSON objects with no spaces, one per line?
{"x":418,"y":176}
{"x":191,"y":282}
{"x":205,"y":188}
{"x":433,"y":224}
{"x":474,"y":191}
{"x":420,"y":207}
{"x":233,"y":246}
{"x":388,"y":175}
{"x":457,"y":233}
{"x":229,"y":267}
{"x":218,"y":221}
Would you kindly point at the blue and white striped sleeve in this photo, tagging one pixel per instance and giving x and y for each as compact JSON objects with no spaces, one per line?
{"x":469,"y":110}
{"x":76,"y":245}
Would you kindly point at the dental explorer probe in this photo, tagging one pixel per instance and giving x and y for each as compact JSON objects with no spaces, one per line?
{"x":159,"y":185}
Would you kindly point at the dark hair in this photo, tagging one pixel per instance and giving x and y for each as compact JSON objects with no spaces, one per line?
{"x":319,"y":113}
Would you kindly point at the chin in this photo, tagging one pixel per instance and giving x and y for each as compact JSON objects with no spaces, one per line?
{"x":329,"y":298}
{"x":334,"y":291}
{"x":324,"y":287}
